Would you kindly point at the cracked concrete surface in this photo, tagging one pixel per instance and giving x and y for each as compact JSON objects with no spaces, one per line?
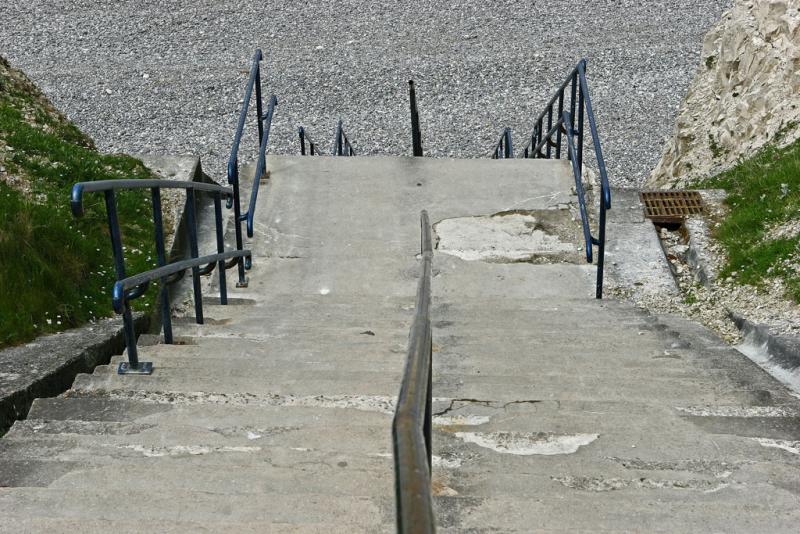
{"x":553,"y":410}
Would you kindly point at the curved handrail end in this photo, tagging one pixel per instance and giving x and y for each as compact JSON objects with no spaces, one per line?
{"x":233,"y":171}
{"x":76,"y":199}
{"x":118,"y":297}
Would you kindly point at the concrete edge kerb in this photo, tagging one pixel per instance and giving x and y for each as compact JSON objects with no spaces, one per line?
{"x":782,"y":350}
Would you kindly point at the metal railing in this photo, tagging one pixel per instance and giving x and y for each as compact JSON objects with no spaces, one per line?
{"x":412,"y":424}
{"x":305,"y":139}
{"x":341,"y":144}
{"x":416,"y":132}
{"x":504,"y":147}
{"x":128,"y":288}
{"x":551,"y":126}
{"x":264,"y":121}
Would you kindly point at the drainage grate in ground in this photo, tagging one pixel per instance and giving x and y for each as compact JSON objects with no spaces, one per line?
{"x":671,"y":206}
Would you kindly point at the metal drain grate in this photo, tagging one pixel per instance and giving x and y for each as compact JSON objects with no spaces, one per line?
{"x":671,"y":206}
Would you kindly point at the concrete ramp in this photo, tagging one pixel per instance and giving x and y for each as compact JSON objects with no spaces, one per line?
{"x":554,"y":411}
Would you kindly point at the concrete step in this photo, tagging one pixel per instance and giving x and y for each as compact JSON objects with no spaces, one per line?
{"x":297,"y":314}
{"x":517,"y":367}
{"x":611,"y":511}
{"x":123,"y":526}
{"x":278,"y":507}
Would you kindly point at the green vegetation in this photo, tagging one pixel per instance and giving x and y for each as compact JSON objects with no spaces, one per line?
{"x":763,"y":197}
{"x":56,"y":272}
{"x":716,"y":150}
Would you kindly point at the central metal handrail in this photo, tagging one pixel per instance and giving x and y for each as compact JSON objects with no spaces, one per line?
{"x":264,"y":122}
{"x":412,"y":424}
{"x":128,"y":288}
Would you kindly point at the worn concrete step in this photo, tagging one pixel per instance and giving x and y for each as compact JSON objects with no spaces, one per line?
{"x":551,"y":475}
{"x":345,"y":312}
{"x":284,"y":470}
{"x":278,"y":507}
{"x":362,"y":449}
{"x":727,"y":510}
{"x":448,"y":359}
{"x":510,"y":368}
{"x":323,"y":202}
{"x":231,"y":378}
{"x":327,"y":310}
{"x":137,"y":526}
{"x":656,"y":510}
{"x":282,"y":306}
{"x":612,"y":386}
{"x":215,"y":410}
{"x":270,"y":368}
{"x":568,"y":386}
{"x":384,"y":276}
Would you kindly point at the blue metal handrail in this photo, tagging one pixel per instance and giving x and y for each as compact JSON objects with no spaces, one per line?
{"x":260,"y":166}
{"x":341,"y":144}
{"x":312,"y":146}
{"x":560,"y":123}
{"x":504,"y":147}
{"x":264,"y":122}
{"x":127,"y":288}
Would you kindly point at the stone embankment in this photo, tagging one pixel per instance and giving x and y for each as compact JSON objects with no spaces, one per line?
{"x":746,"y":93}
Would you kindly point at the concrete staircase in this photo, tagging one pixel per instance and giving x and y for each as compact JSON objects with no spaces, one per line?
{"x":554,"y":411}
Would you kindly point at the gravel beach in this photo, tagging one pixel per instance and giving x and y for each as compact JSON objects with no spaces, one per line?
{"x":145,"y":76}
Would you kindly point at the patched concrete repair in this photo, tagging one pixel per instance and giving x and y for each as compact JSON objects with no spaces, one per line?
{"x":526,"y":444}
{"x":367,"y":403}
{"x":600,"y":484}
{"x":786,"y":445}
{"x":535,"y":236}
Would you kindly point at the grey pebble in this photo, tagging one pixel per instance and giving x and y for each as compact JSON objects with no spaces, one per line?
{"x":479,"y":66}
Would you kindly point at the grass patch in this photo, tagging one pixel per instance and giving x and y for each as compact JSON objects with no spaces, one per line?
{"x":56,"y":271}
{"x":716,"y":150}
{"x":763,"y":194}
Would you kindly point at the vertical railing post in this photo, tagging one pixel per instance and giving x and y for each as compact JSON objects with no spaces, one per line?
{"x":259,"y":104}
{"x":191,"y":221}
{"x":223,"y":283}
{"x":560,"y":114}
{"x":337,"y":143}
{"x":540,"y":134}
{"x":601,"y":249}
{"x":161,"y":257}
{"x":233,"y":179}
{"x":302,"y":133}
{"x":581,"y":104}
{"x":549,"y":128}
{"x":573,"y":104}
{"x":119,"y":270}
{"x":416,"y":132}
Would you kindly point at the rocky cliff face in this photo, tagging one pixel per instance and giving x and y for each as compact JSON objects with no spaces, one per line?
{"x":746,"y":93}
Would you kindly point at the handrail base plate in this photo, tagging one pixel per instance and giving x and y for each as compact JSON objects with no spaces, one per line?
{"x":144,"y":368}
{"x":243,"y":284}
